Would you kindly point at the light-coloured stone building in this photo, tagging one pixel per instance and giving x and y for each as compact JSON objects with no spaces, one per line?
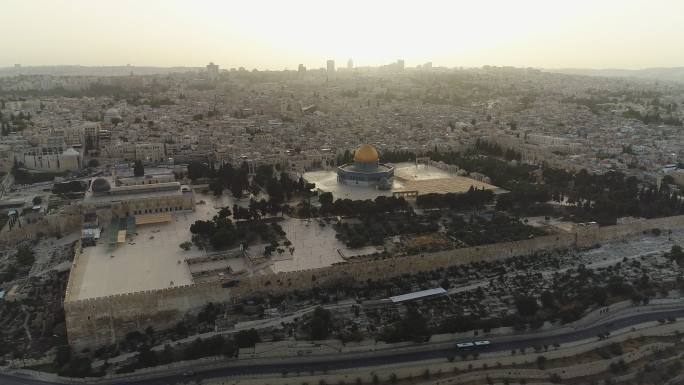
{"x":150,"y":152}
{"x":136,"y":197}
{"x":54,"y":159}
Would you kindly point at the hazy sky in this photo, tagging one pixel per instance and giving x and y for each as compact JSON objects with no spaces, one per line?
{"x":283,"y":33}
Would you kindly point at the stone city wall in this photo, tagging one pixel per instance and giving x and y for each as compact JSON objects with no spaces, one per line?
{"x":393,"y":267}
{"x":590,"y":237}
{"x":105,"y":320}
{"x":65,"y":222}
{"x":91,"y":322}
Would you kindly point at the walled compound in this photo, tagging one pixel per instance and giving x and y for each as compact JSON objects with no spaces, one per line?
{"x":105,"y":320}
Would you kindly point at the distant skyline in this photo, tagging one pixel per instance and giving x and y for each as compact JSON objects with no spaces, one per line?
{"x":627,"y":34}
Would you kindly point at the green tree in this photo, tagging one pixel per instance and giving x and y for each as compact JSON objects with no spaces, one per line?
{"x":166,"y":356}
{"x":326,"y":201}
{"x":412,"y":327}
{"x":667,"y":179}
{"x":247,"y":338}
{"x":77,"y":367}
{"x":320,"y":324}
{"x":25,"y":256}
{"x":138,"y":168}
{"x":63,"y":355}
{"x":527,"y":306}
{"x":147,"y":357}
{"x":676,"y":254}
{"x":541,"y":362}
{"x":198,"y":170}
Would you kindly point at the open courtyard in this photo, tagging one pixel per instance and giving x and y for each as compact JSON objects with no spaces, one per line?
{"x":408,"y":177}
{"x":151,"y":259}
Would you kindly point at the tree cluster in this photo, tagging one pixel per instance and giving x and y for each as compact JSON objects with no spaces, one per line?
{"x":73,"y":186}
{"x":412,"y":327}
{"x":378,"y":222}
{"x":348,"y":207}
{"x":221,"y":232}
{"x":493,"y":149}
{"x":473,"y":199}
{"x":213,"y":346}
{"x":652,"y":117}
{"x":280,"y":188}
{"x":320,"y":324}
{"x":605,"y":197}
{"x":138,"y":168}
{"x":25,"y":256}
{"x":480,"y":231}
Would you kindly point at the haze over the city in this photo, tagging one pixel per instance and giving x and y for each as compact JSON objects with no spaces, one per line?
{"x":372,"y":192}
{"x":281,"y":34}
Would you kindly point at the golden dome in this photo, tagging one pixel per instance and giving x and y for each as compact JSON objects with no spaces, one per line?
{"x":366,"y":154}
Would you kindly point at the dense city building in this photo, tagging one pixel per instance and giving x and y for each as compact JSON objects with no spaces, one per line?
{"x":166,"y":206}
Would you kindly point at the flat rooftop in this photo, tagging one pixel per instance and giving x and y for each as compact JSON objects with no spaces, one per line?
{"x":125,"y":193}
{"x":151,"y":260}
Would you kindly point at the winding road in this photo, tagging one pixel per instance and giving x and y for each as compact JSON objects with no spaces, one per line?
{"x":349,"y":360}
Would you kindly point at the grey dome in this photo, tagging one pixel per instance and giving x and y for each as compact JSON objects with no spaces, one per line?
{"x":101,"y":185}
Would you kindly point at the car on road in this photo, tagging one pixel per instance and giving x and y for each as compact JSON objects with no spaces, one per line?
{"x":189,"y":373}
{"x":463,"y":345}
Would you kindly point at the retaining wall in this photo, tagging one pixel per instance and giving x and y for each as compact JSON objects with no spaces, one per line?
{"x":92,"y":322}
{"x":65,"y":222}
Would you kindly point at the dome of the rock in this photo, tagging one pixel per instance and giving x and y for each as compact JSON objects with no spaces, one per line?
{"x":366,"y":154}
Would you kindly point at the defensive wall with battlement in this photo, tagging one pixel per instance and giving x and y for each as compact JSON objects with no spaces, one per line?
{"x":64,"y":222}
{"x":105,"y":320}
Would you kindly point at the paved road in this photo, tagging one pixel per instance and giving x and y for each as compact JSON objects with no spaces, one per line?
{"x":382,"y":358}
